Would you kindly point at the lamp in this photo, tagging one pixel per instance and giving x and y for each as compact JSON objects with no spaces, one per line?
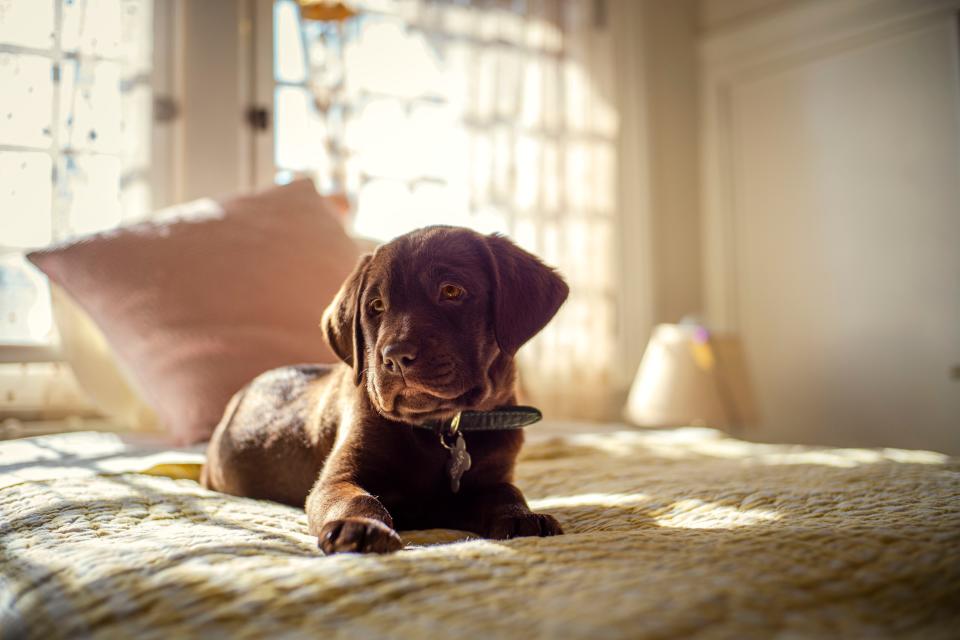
{"x":690,"y":376}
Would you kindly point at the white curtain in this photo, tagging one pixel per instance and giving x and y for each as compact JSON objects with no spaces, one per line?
{"x":493,"y":115}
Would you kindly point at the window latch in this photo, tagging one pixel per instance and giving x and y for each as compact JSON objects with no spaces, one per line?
{"x":165,"y":109}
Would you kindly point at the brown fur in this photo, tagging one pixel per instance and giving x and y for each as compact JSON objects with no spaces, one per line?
{"x":338,"y":439}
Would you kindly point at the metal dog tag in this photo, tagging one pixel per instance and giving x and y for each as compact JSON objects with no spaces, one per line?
{"x":460,"y":461}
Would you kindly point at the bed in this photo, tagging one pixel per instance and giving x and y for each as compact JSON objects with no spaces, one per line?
{"x":672,"y":533}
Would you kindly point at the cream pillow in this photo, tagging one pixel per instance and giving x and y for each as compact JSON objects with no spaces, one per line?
{"x":95,"y":366}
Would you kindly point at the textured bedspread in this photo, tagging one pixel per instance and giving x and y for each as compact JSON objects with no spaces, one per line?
{"x":683,"y":533}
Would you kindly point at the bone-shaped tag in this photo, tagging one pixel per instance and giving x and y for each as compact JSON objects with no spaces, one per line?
{"x":459,"y":462}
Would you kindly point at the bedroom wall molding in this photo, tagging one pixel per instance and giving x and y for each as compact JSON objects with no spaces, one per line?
{"x":635,"y":211}
{"x":768,"y":45}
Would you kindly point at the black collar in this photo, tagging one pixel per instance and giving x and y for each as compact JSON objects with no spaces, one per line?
{"x":501,"y":419}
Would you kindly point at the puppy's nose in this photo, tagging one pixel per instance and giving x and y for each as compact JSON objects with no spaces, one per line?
{"x":398,"y":356}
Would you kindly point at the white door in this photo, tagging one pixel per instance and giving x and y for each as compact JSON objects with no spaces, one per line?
{"x":842,"y":238}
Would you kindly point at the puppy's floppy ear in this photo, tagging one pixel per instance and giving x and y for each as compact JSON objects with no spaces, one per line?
{"x":526,"y":293}
{"x":341,"y":320}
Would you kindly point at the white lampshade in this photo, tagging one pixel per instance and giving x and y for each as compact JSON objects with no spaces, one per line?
{"x":690,"y":376}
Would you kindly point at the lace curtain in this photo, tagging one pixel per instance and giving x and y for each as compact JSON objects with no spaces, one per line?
{"x":493,"y":115}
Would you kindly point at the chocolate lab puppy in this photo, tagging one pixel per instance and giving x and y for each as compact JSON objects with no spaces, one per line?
{"x":427,"y":326}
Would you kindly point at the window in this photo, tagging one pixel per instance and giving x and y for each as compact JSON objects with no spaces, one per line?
{"x":75,"y":125}
{"x":75,"y":134}
{"x":495,"y":116}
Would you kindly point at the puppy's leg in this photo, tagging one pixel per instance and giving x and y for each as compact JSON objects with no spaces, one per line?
{"x":344,"y":517}
{"x":499,"y":511}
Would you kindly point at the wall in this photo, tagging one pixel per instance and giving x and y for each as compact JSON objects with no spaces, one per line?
{"x":658,"y":194}
{"x":714,"y":15}
{"x":672,"y":74}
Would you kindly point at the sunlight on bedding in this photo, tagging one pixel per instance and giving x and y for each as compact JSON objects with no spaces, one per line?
{"x":695,"y":442}
{"x":55,"y":447}
{"x":700,"y":514}
{"x":682,"y":514}
{"x":593,"y":499}
{"x":86,"y":454}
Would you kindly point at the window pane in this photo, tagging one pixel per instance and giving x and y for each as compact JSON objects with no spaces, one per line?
{"x":25,"y":192}
{"x":379,"y":137}
{"x":431,"y":133}
{"x":389,"y":59}
{"x":90,"y":188}
{"x":28,"y":23}
{"x":136,"y":37}
{"x":24,"y":302}
{"x":135,"y":126}
{"x":26,"y":101}
{"x":288,"y":60}
{"x":92,"y":27}
{"x":384,"y":210}
{"x":301,"y":135}
{"x":90,"y":106}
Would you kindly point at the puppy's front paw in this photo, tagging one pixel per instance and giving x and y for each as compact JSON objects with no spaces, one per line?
{"x":360,"y":535}
{"x":516,"y":525}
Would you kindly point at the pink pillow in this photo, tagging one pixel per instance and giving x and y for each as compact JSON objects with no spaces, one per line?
{"x":202,"y":298}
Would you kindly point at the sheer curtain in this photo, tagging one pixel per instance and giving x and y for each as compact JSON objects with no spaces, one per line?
{"x":493,"y":115}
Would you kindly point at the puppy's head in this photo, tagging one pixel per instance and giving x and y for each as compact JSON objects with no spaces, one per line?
{"x":430,"y":321}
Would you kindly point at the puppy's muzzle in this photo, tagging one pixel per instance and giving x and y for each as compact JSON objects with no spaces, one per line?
{"x":398,"y":356}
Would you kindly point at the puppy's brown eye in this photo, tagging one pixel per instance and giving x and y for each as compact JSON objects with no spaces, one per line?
{"x":377,"y":305}
{"x":451,"y":292}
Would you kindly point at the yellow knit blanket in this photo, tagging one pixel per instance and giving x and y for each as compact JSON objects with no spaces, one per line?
{"x":682,"y":533}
